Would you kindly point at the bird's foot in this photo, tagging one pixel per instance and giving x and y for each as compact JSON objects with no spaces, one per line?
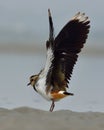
{"x":52,"y":106}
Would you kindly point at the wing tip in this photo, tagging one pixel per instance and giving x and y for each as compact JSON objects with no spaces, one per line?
{"x":81,"y":17}
{"x":49,"y":13}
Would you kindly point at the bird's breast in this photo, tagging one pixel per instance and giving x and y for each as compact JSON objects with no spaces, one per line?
{"x":41,"y":89}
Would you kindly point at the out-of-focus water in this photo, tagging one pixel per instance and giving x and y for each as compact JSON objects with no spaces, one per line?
{"x":87,"y":83}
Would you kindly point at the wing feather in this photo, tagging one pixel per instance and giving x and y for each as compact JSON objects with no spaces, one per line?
{"x":66,"y":47}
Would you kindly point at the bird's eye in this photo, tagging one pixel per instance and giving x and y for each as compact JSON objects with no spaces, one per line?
{"x":31,"y":80}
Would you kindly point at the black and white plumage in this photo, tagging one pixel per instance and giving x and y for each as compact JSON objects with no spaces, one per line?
{"x":62,"y":54}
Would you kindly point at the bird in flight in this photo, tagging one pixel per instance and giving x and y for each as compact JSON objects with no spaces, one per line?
{"x":62,"y":53}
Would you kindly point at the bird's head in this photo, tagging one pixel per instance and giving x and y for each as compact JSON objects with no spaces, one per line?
{"x":33,"y":80}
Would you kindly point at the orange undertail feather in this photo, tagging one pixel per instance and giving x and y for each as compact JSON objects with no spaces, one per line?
{"x":58,"y":96}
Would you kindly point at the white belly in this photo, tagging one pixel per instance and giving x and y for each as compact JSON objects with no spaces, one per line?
{"x":41,"y":87}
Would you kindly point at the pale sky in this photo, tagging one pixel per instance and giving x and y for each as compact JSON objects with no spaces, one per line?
{"x":26,"y":21}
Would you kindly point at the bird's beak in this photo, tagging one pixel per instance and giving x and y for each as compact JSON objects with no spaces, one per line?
{"x":28,"y":84}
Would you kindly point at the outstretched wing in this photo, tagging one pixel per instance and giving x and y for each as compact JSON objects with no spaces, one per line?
{"x":66,"y":47}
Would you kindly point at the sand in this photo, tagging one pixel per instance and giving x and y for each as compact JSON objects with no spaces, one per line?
{"x":25,"y":118}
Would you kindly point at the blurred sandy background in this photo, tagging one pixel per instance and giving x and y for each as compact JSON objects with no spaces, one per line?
{"x":29,"y":119}
{"x":23,"y":33}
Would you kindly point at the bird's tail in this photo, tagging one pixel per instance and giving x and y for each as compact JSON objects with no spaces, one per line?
{"x":67,"y":93}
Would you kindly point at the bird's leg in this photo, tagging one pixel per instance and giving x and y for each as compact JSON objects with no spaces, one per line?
{"x":52,"y":106}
